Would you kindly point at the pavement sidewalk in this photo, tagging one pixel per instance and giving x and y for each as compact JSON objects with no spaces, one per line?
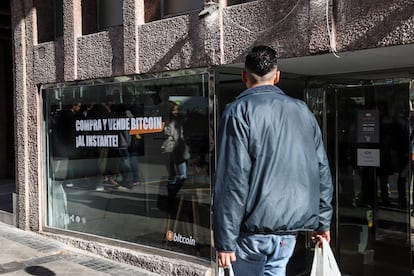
{"x":28,"y":253}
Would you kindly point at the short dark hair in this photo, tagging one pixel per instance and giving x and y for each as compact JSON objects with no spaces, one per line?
{"x":71,"y":102}
{"x":261,"y":60}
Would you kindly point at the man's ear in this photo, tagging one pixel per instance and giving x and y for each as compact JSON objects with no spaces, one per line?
{"x":277,"y":77}
{"x":244,"y":76}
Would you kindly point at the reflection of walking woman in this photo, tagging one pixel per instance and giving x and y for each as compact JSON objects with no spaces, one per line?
{"x":175,"y":146}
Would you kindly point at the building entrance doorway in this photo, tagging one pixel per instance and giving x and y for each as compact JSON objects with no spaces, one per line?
{"x":7,"y":165}
{"x":228,"y":85}
{"x":367,"y":127}
{"x":368,"y":140}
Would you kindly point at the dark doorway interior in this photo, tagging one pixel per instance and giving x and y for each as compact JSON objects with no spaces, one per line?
{"x":368,"y":141}
{"x":228,"y":86}
{"x":7,"y":164}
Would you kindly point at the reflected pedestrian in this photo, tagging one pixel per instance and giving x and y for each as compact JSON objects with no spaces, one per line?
{"x":175,"y":145}
{"x":66,"y":136}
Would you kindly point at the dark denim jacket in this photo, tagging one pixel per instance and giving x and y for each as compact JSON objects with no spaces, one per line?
{"x":272,"y":171}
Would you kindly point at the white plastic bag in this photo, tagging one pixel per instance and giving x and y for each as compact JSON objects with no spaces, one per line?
{"x":324,"y":263}
{"x":225,"y":271}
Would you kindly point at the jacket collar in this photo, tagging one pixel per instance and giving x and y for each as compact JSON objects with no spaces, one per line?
{"x":260,"y":89}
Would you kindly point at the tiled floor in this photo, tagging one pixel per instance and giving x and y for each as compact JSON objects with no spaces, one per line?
{"x":26,"y":253}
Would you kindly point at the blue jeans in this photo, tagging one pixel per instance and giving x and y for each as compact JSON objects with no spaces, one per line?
{"x":133,"y":162}
{"x":182,"y":170}
{"x":263,"y":254}
{"x":178,"y":172}
{"x":125,"y":168}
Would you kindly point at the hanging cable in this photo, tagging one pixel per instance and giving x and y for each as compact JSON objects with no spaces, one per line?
{"x":331,"y":35}
{"x":235,"y":24}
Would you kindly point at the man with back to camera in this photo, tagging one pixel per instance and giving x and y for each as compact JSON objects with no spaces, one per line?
{"x":272,"y":179}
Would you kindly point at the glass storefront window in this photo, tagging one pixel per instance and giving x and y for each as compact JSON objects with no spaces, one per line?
{"x":131,"y":161}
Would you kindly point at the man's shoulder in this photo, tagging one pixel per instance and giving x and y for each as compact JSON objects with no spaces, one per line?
{"x":266,"y":93}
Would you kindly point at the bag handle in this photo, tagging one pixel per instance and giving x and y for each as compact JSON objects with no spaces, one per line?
{"x":324,"y":263}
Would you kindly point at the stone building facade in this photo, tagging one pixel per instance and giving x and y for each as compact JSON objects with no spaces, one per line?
{"x":58,"y":43}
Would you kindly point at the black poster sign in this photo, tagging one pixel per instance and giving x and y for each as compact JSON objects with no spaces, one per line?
{"x":368,"y":126}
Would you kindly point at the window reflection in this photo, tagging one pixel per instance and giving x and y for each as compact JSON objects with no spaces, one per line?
{"x":109,"y":14}
{"x":177,"y":7}
{"x":131,"y":161}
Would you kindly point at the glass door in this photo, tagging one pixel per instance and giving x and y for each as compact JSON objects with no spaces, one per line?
{"x":368,"y":141}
